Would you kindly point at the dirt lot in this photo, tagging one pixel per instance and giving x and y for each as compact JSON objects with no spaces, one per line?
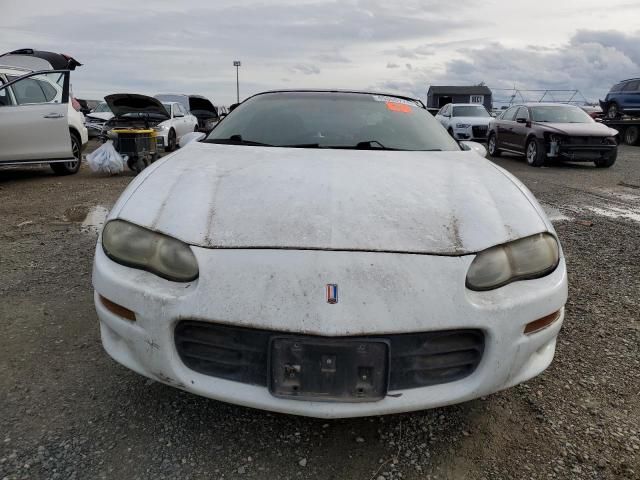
{"x":68,"y":411}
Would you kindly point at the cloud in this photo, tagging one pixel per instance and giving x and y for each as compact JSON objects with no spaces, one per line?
{"x":392,"y":65}
{"x":306,"y":69}
{"x":591,"y":61}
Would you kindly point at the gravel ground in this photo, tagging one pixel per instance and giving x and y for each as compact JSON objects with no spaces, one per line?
{"x":67,"y":411}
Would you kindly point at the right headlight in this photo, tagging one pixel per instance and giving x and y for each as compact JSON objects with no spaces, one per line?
{"x":138,"y":247}
{"x":530,"y":257}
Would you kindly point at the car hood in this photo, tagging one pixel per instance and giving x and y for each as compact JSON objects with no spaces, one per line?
{"x":200,"y":106}
{"x":127,"y":103}
{"x":225,"y":196}
{"x":578,"y":129}
{"x":472,"y":120}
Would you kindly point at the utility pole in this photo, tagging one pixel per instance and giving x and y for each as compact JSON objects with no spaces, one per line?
{"x":237,"y":64}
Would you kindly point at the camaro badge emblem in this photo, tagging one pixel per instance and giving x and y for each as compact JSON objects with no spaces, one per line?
{"x":332,"y":293}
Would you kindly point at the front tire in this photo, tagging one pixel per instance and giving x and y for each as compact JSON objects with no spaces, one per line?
{"x":492,"y":145}
{"x":535,"y":153}
{"x":613,"y":111}
{"x":171,"y":141}
{"x":70,"y":168}
{"x":607,"y":160}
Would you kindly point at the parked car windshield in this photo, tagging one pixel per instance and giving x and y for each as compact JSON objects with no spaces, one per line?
{"x":332,"y":120}
{"x":102,"y":107}
{"x":560,"y":114}
{"x":167,"y":107}
{"x":470,"y":111}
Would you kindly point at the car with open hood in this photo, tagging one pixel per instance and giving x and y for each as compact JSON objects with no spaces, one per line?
{"x":198,"y":106}
{"x":330,"y":254}
{"x":169,"y":119}
{"x":543,"y":131}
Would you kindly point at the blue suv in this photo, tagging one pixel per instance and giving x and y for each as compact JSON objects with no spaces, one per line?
{"x":624,"y":97}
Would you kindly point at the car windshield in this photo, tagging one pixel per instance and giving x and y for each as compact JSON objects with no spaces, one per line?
{"x":102,"y":107}
{"x":470,"y":111}
{"x":332,"y":120}
{"x":559,"y":114}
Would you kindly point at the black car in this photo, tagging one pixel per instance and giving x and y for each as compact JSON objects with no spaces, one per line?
{"x":550,"y":130}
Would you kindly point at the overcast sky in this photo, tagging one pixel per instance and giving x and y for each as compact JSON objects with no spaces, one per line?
{"x":402,"y":46}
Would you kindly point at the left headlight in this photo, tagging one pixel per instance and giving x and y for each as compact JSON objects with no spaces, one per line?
{"x":462,"y":125}
{"x":526,"y":258}
{"x":137,"y":247}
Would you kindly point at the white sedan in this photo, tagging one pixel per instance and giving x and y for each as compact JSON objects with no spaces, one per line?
{"x":180,"y":123}
{"x":465,"y":121}
{"x":330,"y":254}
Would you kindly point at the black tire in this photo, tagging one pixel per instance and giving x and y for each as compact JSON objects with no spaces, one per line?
{"x":492,"y":148}
{"x":632,"y":135}
{"x":607,"y":160}
{"x":534,"y":153}
{"x":69,"y":168}
{"x":171,"y":141}
{"x":613,"y":111}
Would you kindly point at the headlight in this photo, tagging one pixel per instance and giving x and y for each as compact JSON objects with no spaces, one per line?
{"x":160,"y":128}
{"x":137,"y":247}
{"x":529,"y":257}
{"x":462,"y":125}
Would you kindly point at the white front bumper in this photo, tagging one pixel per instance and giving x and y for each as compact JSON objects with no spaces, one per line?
{"x":284,"y":290}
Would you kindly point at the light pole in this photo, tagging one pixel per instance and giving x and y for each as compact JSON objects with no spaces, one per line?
{"x":237,"y":64}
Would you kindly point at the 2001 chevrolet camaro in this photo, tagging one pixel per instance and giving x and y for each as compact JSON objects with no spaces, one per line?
{"x":330,"y":254}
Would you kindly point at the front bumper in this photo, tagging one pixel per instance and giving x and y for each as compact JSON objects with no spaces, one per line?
{"x":475,"y":133}
{"x":580,"y":152}
{"x":280,"y":290}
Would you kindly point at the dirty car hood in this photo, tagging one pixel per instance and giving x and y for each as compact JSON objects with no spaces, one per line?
{"x":225,"y":196}
{"x":128,"y":103}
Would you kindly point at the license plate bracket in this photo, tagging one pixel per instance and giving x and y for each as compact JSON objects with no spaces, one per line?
{"x":344,"y":370}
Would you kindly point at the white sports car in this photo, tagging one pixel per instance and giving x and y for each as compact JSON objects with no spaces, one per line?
{"x":330,"y":254}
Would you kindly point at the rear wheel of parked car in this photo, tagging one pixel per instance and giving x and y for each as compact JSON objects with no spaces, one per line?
{"x":607,"y":159}
{"x":492,"y":143}
{"x":171,"y":141}
{"x":613,"y":111}
{"x":631,"y":135}
{"x":535,"y":153}
{"x":69,"y":168}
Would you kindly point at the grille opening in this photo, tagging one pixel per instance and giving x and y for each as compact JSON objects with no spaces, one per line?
{"x":242,"y":354}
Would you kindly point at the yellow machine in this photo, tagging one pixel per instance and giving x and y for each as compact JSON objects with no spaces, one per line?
{"x":139,"y":144}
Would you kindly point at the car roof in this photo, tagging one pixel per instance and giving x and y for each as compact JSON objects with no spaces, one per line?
{"x":466,"y":105}
{"x":363,"y":92}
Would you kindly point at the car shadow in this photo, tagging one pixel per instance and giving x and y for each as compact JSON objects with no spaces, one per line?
{"x":549,"y":163}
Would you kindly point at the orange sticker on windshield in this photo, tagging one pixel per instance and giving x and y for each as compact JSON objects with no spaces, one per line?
{"x":399,"y":107}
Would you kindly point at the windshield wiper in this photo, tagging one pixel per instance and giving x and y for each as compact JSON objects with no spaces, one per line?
{"x":238,"y":140}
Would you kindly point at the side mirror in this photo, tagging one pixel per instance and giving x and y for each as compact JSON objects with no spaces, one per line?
{"x":178,"y":115}
{"x":474,"y":146}
{"x":191,"y":137}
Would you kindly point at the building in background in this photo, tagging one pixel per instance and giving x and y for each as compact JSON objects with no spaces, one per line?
{"x":439,"y":95}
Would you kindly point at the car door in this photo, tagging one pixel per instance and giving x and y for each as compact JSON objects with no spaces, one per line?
{"x":33,"y":119}
{"x":521,"y":129}
{"x":505,"y":128}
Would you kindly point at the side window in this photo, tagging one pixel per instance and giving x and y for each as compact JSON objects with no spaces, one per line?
{"x":38,"y":89}
{"x":48,"y":90}
{"x":445,"y":110}
{"x":510,"y":114}
{"x":631,"y":86}
{"x":523,"y":112}
{"x":177,"y":110}
{"x":28,"y":91}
